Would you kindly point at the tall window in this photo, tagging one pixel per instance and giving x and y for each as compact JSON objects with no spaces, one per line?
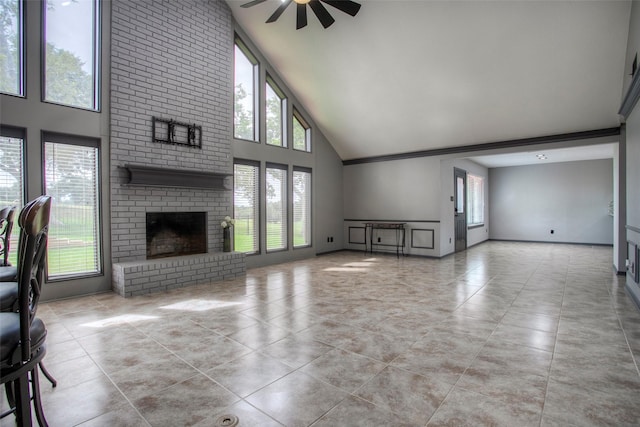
{"x":11,"y":47}
{"x":11,"y":181}
{"x":245,"y":95}
{"x":71,"y":52}
{"x":301,"y":207}
{"x":301,"y":133}
{"x":475,"y":200}
{"x":275,"y":108}
{"x":246,"y":202}
{"x":276,"y":214}
{"x":71,"y":179}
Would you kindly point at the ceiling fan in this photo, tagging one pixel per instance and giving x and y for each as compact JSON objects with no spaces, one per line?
{"x":346,"y":6}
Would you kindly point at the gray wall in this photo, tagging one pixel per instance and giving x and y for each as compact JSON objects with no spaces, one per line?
{"x":326,"y":176}
{"x":328,"y":201}
{"x":35,"y":117}
{"x":416,"y":191}
{"x":174,"y":72}
{"x":633,"y":147}
{"x":399,"y":191}
{"x":191,"y":80}
{"x":526,"y":202}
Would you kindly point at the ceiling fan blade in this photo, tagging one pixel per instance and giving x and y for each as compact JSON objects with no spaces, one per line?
{"x":321,"y":12}
{"x":252,"y":3}
{"x":301,"y":19}
{"x":347,"y":6}
{"x":278,"y":12}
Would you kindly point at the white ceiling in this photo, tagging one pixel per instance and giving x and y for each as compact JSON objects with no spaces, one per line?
{"x":591,"y":152}
{"x":405,"y":76}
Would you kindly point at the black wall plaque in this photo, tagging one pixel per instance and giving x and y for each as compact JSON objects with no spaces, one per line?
{"x":176,"y":133}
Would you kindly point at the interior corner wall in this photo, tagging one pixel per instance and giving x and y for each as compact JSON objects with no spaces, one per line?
{"x":572,"y":199}
{"x":327,"y":197}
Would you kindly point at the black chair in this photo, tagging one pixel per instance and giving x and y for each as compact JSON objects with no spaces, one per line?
{"x":9,"y":286}
{"x":22,"y":334}
{"x":6,"y":224}
{"x":7,"y":271}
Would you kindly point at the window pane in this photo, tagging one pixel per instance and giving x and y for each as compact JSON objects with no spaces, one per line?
{"x":460,"y":195}
{"x":276,"y":209}
{"x":275,"y":106}
{"x":71,"y":71}
{"x":71,"y":179}
{"x":244,"y":96}
{"x":475,"y":202}
{"x":11,"y":50}
{"x":11,"y":184}
{"x":246,"y":200}
{"x":301,"y":135}
{"x":301,"y":208}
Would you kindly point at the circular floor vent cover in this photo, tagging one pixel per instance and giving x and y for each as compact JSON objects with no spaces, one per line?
{"x":226,"y":421}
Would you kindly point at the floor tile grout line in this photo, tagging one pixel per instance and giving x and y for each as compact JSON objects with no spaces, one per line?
{"x":555,"y":343}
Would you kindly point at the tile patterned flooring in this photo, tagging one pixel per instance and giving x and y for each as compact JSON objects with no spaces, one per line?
{"x":504,"y":334}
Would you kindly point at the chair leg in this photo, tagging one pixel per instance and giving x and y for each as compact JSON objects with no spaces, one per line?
{"x":23,"y":401}
{"x":48,"y":375}
{"x":11,"y":396}
{"x":37,"y":402}
{"x":11,"y":400}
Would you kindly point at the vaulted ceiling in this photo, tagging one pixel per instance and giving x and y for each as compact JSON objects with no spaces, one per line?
{"x":404,"y":76}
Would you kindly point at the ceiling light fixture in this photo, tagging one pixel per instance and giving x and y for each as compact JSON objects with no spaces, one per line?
{"x":347,"y":6}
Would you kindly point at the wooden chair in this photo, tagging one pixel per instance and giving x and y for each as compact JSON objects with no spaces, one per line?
{"x":22,"y":334}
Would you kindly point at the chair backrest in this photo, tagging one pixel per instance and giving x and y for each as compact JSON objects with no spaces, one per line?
{"x":6,"y":225}
{"x":32,"y":248}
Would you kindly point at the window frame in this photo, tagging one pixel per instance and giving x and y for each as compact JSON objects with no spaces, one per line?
{"x":269,"y":82}
{"x":21,"y":67}
{"x":285,"y":204}
{"x":258,"y":207}
{"x":87,"y":142}
{"x":242,"y":46}
{"x":309,"y":171}
{"x":96,"y":59}
{"x":472,"y":182}
{"x":307,"y":132}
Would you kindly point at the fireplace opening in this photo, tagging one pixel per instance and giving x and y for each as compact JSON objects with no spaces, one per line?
{"x":176,"y":233}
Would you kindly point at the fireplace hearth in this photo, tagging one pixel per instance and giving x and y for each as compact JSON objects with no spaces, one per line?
{"x":171,"y":234}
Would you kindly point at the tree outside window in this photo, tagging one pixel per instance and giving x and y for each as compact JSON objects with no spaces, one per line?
{"x":11,"y":50}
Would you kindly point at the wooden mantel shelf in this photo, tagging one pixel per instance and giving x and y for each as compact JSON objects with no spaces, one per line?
{"x":139,"y":175}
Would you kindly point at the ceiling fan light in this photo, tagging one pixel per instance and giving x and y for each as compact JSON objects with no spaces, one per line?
{"x":302,"y":1}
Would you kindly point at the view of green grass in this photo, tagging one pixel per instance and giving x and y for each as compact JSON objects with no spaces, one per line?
{"x":71,"y":241}
{"x":243,"y":235}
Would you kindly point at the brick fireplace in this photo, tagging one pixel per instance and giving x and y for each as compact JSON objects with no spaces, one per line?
{"x":197,"y":91}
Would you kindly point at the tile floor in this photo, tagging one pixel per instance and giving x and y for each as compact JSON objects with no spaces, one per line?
{"x":505,"y":334}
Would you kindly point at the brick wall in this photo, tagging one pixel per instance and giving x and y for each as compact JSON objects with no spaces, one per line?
{"x":170,"y":59}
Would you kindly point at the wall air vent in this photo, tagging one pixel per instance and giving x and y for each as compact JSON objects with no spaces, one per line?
{"x":138,"y":175}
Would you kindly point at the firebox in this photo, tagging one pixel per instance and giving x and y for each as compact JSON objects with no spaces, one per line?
{"x":176,"y":233}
